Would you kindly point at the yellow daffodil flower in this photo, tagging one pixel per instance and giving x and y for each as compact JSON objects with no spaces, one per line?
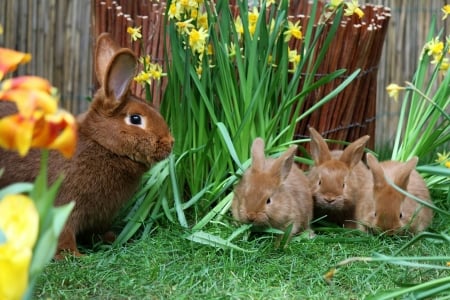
{"x":19,"y":223}
{"x":239,"y":26}
{"x":174,"y":11}
{"x":183,"y":27}
{"x":294,"y":30}
{"x":446,"y":11}
{"x":393,"y":90}
{"x":253,"y":16}
{"x":294,"y":58}
{"x":442,"y":157}
{"x":435,"y":47}
{"x":334,"y":4}
{"x":135,"y":33}
{"x":447,"y":164}
{"x":202,"y":21}
{"x":353,"y":8}
{"x":10,"y":59}
{"x":197,"y":40}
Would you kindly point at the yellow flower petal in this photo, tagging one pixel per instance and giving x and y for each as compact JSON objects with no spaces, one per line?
{"x":28,"y":101}
{"x":16,"y":132}
{"x":393,"y":90}
{"x":27,"y":83}
{"x":58,"y":132}
{"x":19,"y":220}
{"x":10,"y":59}
{"x":14,"y":265}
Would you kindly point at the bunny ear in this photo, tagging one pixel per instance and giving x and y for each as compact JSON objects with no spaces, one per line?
{"x":377,"y":171}
{"x":115,"y":67}
{"x":258,"y":156}
{"x":354,"y":152}
{"x":319,"y":148}
{"x":283,"y":164}
{"x":403,"y":173}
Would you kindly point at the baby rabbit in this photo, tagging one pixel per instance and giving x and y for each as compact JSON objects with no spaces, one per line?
{"x":119,"y":138}
{"x":338,"y":180}
{"x":390,"y":211}
{"x":273,"y":192}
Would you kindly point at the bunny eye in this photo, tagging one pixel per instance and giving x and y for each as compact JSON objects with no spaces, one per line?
{"x":268,"y":201}
{"x":135,"y":120}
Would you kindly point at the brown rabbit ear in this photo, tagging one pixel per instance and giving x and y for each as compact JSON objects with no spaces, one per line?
{"x":258,"y":156}
{"x":354,"y":152}
{"x":115,"y":67}
{"x":283,"y":164}
{"x":319,"y":148}
{"x":379,"y":180}
{"x":403,"y":173}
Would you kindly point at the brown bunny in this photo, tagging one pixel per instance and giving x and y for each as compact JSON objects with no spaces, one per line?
{"x":273,"y":192}
{"x":119,"y":138}
{"x":339,"y":179}
{"x":390,"y":210}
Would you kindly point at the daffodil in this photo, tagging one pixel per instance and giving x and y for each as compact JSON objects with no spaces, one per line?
{"x":334,"y":4}
{"x":353,"y":8}
{"x":446,"y":11}
{"x":435,"y":47}
{"x":183,"y":27}
{"x":202,"y":21}
{"x":174,"y":11}
{"x":442,"y":157}
{"x":253,"y":16}
{"x":444,"y":62}
{"x":294,"y":30}
{"x":10,"y":59}
{"x":294,"y":58}
{"x":197,"y":40}
{"x":393,"y":90}
{"x":135,"y":33}
{"x":239,"y":26}
{"x":156,"y":71}
{"x":19,"y":225}
{"x":447,"y":164}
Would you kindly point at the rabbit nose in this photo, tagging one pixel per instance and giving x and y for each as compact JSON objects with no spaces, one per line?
{"x":251,"y":217}
{"x":329,"y":199}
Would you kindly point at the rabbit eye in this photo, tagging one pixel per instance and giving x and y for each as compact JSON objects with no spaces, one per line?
{"x":268,"y":201}
{"x":135,"y":119}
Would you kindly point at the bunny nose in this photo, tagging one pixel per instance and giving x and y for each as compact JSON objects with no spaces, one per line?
{"x":329,"y":199}
{"x":251,"y":217}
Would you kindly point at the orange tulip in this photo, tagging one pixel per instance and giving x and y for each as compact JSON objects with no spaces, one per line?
{"x":58,"y":132}
{"x":29,"y":101}
{"x":16,"y":133}
{"x":27,"y":83}
{"x":10,"y":59}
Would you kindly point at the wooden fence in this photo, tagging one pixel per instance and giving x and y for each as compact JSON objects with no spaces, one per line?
{"x":59,"y":37}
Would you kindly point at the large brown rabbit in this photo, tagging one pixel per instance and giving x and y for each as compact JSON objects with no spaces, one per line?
{"x":273,"y":192}
{"x":339,"y":179}
{"x":119,"y":138}
{"x":390,"y":211}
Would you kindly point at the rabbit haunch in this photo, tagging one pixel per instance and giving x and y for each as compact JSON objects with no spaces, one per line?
{"x":273,"y":192}
{"x":119,"y":138}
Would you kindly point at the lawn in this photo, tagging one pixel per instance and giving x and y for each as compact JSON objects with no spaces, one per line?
{"x":165,"y":265}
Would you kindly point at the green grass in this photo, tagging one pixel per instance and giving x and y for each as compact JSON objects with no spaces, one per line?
{"x":165,"y":265}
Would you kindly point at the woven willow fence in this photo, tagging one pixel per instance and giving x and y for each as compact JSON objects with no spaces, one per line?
{"x":59,"y":36}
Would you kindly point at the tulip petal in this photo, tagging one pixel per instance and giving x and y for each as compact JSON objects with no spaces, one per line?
{"x":16,"y":133}
{"x":14,"y":264}
{"x":10,"y":59}
{"x":27,"y":83}
{"x":28,"y":101}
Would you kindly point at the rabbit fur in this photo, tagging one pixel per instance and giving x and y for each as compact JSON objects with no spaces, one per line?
{"x":338,"y":179}
{"x":389,"y":211}
{"x":273,"y":192}
{"x":119,"y":138}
